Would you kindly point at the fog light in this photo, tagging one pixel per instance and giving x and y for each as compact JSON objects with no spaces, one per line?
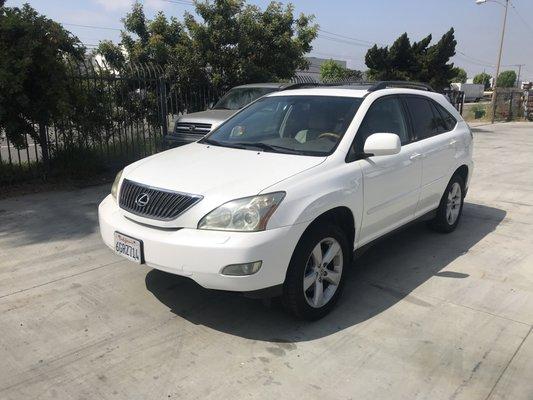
{"x":242,"y":269}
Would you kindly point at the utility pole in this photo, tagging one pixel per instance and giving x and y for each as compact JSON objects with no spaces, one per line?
{"x":493,"y":102}
{"x":498,"y":64}
{"x":519,"y":71}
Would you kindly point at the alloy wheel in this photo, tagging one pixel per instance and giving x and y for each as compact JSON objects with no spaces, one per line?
{"x":453,"y":205}
{"x":323,"y":272}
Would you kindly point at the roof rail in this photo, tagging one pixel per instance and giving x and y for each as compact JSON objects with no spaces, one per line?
{"x":400,"y":84}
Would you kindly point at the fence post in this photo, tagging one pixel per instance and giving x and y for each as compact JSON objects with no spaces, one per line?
{"x":510,"y":115}
{"x":45,"y":150}
{"x":163,"y":101}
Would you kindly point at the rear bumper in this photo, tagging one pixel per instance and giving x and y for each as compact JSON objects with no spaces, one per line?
{"x":201,"y":254}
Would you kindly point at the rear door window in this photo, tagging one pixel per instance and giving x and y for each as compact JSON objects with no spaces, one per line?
{"x":449,"y":119}
{"x":422,"y":117}
{"x":439,"y":124}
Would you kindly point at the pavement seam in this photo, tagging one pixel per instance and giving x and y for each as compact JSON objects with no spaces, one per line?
{"x":405,"y":294}
{"x":60,"y":279}
{"x":487,"y":312}
{"x":508,"y":363}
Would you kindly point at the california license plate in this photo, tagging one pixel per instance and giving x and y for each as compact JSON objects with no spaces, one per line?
{"x":128,"y":247}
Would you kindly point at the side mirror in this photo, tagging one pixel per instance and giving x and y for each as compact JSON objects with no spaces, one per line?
{"x":382,"y":144}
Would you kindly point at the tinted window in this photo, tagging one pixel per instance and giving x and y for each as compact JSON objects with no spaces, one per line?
{"x":384,"y":116}
{"x":310,"y":125}
{"x":449,"y":119}
{"x":438,"y":121}
{"x":422,"y":117}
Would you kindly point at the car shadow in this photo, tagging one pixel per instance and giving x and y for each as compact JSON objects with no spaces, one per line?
{"x":385,"y":274}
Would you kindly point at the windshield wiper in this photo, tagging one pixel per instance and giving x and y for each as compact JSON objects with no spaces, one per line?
{"x":267,"y":147}
{"x":257,"y":145}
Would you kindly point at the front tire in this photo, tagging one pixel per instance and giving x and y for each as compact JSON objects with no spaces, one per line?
{"x":316,"y":272}
{"x":450,"y":207}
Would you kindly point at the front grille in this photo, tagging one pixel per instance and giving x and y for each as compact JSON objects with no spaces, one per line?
{"x":154,"y":203}
{"x":186,"y":128}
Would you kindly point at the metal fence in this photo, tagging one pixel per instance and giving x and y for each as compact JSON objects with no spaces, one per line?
{"x":510,"y":104}
{"x":457,"y":98}
{"x":115,"y":116}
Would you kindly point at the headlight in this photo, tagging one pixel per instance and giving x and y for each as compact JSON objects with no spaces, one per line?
{"x":114,"y":188}
{"x":248,"y":214}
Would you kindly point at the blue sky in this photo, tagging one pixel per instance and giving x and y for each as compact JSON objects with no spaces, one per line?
{"x":377,"y":21}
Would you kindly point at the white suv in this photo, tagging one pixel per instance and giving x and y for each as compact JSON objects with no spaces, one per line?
{"x":277,"y":199}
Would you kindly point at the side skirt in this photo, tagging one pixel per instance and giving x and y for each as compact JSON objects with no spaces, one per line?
{"x":423,"y":218}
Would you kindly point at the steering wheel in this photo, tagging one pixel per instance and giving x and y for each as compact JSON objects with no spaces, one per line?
{"x":330,"y":136}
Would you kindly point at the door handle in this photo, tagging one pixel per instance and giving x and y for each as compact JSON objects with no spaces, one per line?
{"x":414,"y":156}
{"x":452,"y":142}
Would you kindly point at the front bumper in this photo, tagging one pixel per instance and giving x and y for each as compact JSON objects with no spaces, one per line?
{"x":201,"y":254}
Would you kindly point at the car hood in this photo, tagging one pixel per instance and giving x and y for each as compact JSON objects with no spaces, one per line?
{"x":218,"y":173}
{"x":214,"y":117}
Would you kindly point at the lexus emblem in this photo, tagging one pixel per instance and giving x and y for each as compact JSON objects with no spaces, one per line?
{"x":192,"y":128}
{"x":142,"y":199}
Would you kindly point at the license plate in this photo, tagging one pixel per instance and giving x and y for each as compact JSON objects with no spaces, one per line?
{"x":128,"y":247}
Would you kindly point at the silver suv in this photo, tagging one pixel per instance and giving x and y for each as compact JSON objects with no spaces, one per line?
{"x":192,"y":127}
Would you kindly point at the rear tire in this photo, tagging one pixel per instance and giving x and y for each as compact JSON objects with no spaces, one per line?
{"x":450,"y":207}
{"x":316,"y":272}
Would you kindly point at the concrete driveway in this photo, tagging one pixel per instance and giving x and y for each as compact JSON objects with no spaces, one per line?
{"x":424,"y":316}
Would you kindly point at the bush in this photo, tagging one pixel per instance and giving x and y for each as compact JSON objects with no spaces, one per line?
{"x":479,"y":111}
{"x":77,"y":162}
{"x":11,"y":173}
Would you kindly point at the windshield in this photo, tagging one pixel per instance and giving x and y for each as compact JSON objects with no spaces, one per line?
{"x":237,"y":98}
{"x":308,"y":125}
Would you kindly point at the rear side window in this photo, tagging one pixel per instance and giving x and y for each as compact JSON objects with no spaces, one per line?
{"x":385,"y":115}
{"x":449,"y":119}
{"x":422,"y":117}
{"x":439,"y":124}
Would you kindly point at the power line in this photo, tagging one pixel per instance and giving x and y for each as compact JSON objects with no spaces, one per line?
{"x":344,"y":57}
{"x":343,"y":41}
{"x":182,"y":2}
{"x":93,"y":27}
{"x":464,"y":59}
{"x":478,"y":60}
{"x":361,"y":41}
{"x":520,"y":16}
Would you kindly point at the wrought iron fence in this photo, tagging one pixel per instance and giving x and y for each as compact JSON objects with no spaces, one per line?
{"x":115,"y":116}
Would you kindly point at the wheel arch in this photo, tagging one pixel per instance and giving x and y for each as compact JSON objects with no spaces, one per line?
{"x":341,"y":216}
{"x":463,"y":172}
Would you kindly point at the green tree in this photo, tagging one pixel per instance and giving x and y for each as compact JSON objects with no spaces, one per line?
{"x":416,"y":62}
{"x":33,"y":73}
{"x":161,"y":41}
{"x":333,"y":71}
{"x":459,"y":75}
{"x":230,"y":43}
{"x":506,"y":79}
{"x":240,"y":43}
{"x":483,"y":79}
